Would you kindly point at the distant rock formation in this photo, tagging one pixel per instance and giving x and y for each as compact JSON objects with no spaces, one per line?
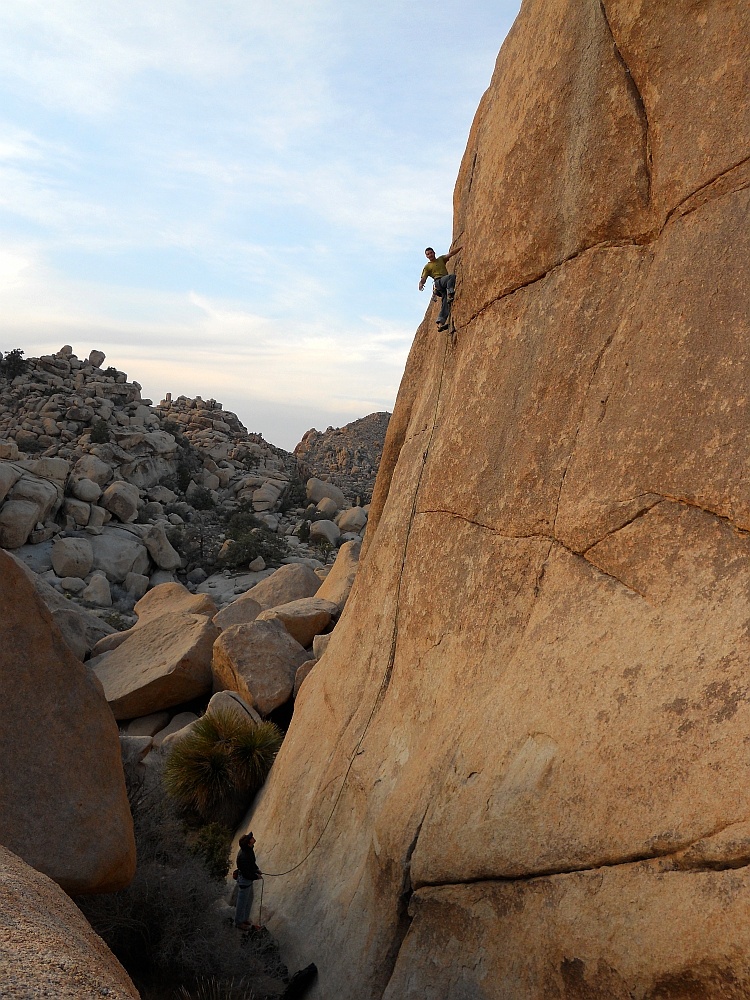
{"x":104,"y":495}
{"x":348,"y":456}
{"x":537,"y":700}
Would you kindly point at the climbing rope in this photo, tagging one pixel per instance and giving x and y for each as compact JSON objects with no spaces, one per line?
{"x":394,"y":635}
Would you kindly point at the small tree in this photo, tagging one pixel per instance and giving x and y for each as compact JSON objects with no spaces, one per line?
{"x":13,"y":363}
{"x":100,"y":432}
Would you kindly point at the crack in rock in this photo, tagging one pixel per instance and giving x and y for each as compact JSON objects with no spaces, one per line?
{"x":639,"y":103}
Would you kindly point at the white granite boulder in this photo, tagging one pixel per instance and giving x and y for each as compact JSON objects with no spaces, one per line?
{"x":317,"y":489}
{"x":72,"y":557}
{"x":324,"y":531}
{"x":121,"y":500}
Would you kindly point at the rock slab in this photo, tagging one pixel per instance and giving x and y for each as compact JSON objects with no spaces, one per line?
{"x":65,"y":810}
{"x":542,"y":665}
{"x":47,"y":947}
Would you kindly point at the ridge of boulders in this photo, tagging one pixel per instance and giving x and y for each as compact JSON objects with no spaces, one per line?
{"x":105,"y":495}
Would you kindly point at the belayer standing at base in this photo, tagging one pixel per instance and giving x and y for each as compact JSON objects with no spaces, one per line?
{"x":247,"y":872}
{"x":444,"y":284}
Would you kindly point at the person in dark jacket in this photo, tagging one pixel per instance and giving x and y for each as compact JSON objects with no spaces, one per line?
{"x":247,"y":872}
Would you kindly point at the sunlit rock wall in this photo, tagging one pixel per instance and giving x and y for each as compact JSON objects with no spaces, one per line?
{"x":548,"y":645}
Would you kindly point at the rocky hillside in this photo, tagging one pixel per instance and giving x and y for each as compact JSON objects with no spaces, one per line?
{"x":105,"y":495}
{"x":348,"y":456}
{"x":520,"y":768}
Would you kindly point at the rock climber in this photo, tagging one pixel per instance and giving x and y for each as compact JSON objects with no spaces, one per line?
{"x":444,"y":284}
{"x":246,"y":873}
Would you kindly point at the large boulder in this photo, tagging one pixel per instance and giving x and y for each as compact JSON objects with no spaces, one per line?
{"x":523,"y":760}
{"x":118,"y":552}
{"x":325,"y":531}
{"x":240,"y":612}
{"x":64,"y":806}
{"x":317,"y":490}
{"x":353,"y":519}
{"x":9,"y":476}
{"x":29,"y":500}
{"x":121,"y":500}
{"x":72,"y":557}
{"x":259,"y":662}
{"x":168,"y":598}
{"x":303,"y":619}
{"x":18,"y":519}
{"x":288,"y":583}
{"x":338,"y":584}
{"x":164,"y":662}
{"x":89,"y":467}
{"x":47,"y":948}
{"x":160,"y":548}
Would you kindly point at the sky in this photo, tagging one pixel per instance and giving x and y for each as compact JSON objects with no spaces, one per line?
{"x":232,"y":199}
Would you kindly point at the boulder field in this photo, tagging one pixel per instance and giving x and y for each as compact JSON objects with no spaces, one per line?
{"x":520,"y":770}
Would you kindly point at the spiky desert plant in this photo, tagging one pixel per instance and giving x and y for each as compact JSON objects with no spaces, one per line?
{"x":211,"y":988}
{"x":216,"y":769}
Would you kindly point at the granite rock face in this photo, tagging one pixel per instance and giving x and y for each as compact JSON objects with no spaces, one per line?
{"x":64,"y":806}
{"x":47,"y":948}
{"x":540,"y":676}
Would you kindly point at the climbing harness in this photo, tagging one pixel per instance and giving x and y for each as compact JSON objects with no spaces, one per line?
{"x":450,"y":338}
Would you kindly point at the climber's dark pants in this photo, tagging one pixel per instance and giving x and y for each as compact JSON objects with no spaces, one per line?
{"x":445,"y":287}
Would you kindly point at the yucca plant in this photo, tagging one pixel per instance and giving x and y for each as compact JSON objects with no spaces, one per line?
{"x":210,"y":988}
{"x":216,"y":769}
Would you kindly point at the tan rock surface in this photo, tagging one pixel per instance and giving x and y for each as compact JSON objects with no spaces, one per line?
{"x":338,"y":583}
{"x":541,"y":667}
{"x":171,"y":598}
{"x":162,"y":663}
{"x":240,"y":612}
{"x":259,"y":662}
{"x":64,"y":807}
{"x":288,"y":583}
{"x":47,"y":948}
{"x":633,"y":931}
{"x":303,"y":619}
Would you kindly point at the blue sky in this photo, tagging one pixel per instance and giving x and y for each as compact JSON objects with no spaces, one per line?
{"x":232,"y":199}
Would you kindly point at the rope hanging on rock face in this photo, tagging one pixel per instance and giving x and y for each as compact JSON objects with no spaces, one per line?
{"x":394,"y":635}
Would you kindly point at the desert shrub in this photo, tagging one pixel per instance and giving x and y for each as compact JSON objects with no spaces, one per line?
{"x":295,"y":495}
{"x":166,"y":927}
{"x":13,"y":363}
{"x":251,"y":538}
{"x":33,"y":447}
{"x":201,"y":499}
{"x":214,"y":771}
{"x":323,"y":546}
{"x":211,"y":988}
{"x":303,"y":532}
{"x":171,"y":427}
{"x":182,"y":475}
{"x":100,"y":432}
{"x":111,"y":371}
{"x":211,"y":844}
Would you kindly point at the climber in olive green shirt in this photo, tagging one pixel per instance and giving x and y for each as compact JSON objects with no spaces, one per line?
{"x":444,"y":284}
